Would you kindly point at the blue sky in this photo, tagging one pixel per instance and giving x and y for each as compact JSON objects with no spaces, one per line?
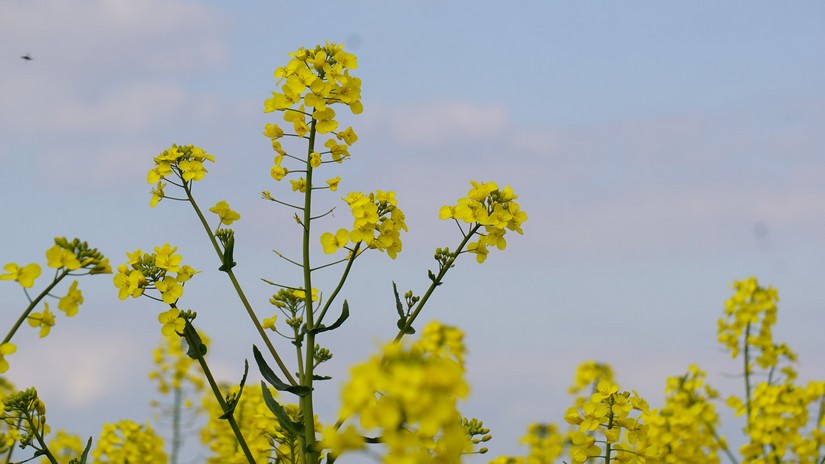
{"x":661,"y":150}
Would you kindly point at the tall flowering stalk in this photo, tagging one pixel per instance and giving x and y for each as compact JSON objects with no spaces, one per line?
{"x":311,"y":89}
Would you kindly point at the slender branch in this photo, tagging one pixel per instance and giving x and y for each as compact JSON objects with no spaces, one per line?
{"x":328,"y":212}
{"x":239,"y":291}
{"x":287,"y":259}
{"x":350,"y":260}
{"x":283,"y":203}
{"x":33,"y":304}
{"x":438,"y":279}
{"x":191,"y":340}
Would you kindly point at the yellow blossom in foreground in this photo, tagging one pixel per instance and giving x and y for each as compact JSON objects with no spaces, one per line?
{"x":225,"y":213}
{"x":65,"y":447}
{"x":171,"y":321}
{"x":333,"y":243}
{"x":71,"y":302}
{"x":333,"y":183}
{"x":127,"y":441}
{"x":58,"y":257}
{"x":408,"y":397}
{"x":44,"y":320}
{"x":5,"y":348}
{"x":25,"y":276}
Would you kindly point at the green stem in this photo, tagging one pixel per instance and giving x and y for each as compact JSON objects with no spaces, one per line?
{"x":192,"y":341}
{"x":352,"y":256}
{"x":746,"y":357}
{"x":176,"y":413}
{"x":311,"y":454}
{"x":721,"y":444}
{"x":607,"y":448}
{"x":33,"y":304}
{"x":439,"y":277}
{"x":39,"y":436}
{"x":239,"y":290}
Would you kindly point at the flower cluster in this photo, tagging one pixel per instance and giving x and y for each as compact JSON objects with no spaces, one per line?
{"x":65,"y":447}
{"x":174,"y":367}
{"x":310,"y":85}
{"x":778,"y":417}
{"x":377,"y":221}
{"x":25,"y":414}
{"x":607,"y":414}
{"x":127,"y":441}
{"x":184,"y":161}
{"x":68,"y":258}
{"x":751,"y":312}
{"x":590,"y":373}
{"x":262,"y":431}
{"x":490,"y":207}
{"x":684,"y":429}
{"x":544,"y":443}
{"x":161,"y":271}
{"x":408,"y":396}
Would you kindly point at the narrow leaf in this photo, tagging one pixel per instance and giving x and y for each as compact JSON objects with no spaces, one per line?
{"x":398,"y":306}
{"x":280,"y":413}
{"x":343,"y":317}
{"x":85,"y":455}
{"x":272,"y":378}
{"x":321,"y":377}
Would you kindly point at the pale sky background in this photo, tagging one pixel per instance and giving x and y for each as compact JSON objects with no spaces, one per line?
{"x":661,"y":150}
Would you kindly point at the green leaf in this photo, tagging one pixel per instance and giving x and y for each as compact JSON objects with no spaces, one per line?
{"x":296,"y":428}
{"x":228,"y":252}
{"x":272,"y":378}
{"x":433,"y":278}
{"x":401,"y":323}
{"x":343,"y":317}
{"x":230,"y":406}
{"x":196,"y":348}
{"x":321,"y":377}
{"x":85,"y":455}
{"x":398,"y":306}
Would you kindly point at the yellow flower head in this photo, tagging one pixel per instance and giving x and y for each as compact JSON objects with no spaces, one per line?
{"x":172,"y":323}
{"x":25,"y":276}
{"x":225,"y":213}
{"x":59,"y":257}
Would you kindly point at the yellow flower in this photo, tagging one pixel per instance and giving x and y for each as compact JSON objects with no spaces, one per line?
{"x":44,"y":320}
{"x":69,"y":303}
{"x":170,"y":289}
{"x":348,"y":136}
{"x":171,"y":322}
{"x":269,"y":322}
{"x":58,"y":257}
{"x":299,"y":185}
{"x":5,"y":348}
{"x":223,"y":211}
{"x":333,"y":243}
{"x":273,"y":131}
{"x":277,"y":172}
{"x":131,"y":283}
{"x":314,"y":159}
{"x":165,"y":258}
{"x":23,"y":275}
{"x":333,"y":183}
{"x":157,"y":194}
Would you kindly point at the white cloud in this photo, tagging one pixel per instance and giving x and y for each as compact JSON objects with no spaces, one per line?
{"x":88,"y":373}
